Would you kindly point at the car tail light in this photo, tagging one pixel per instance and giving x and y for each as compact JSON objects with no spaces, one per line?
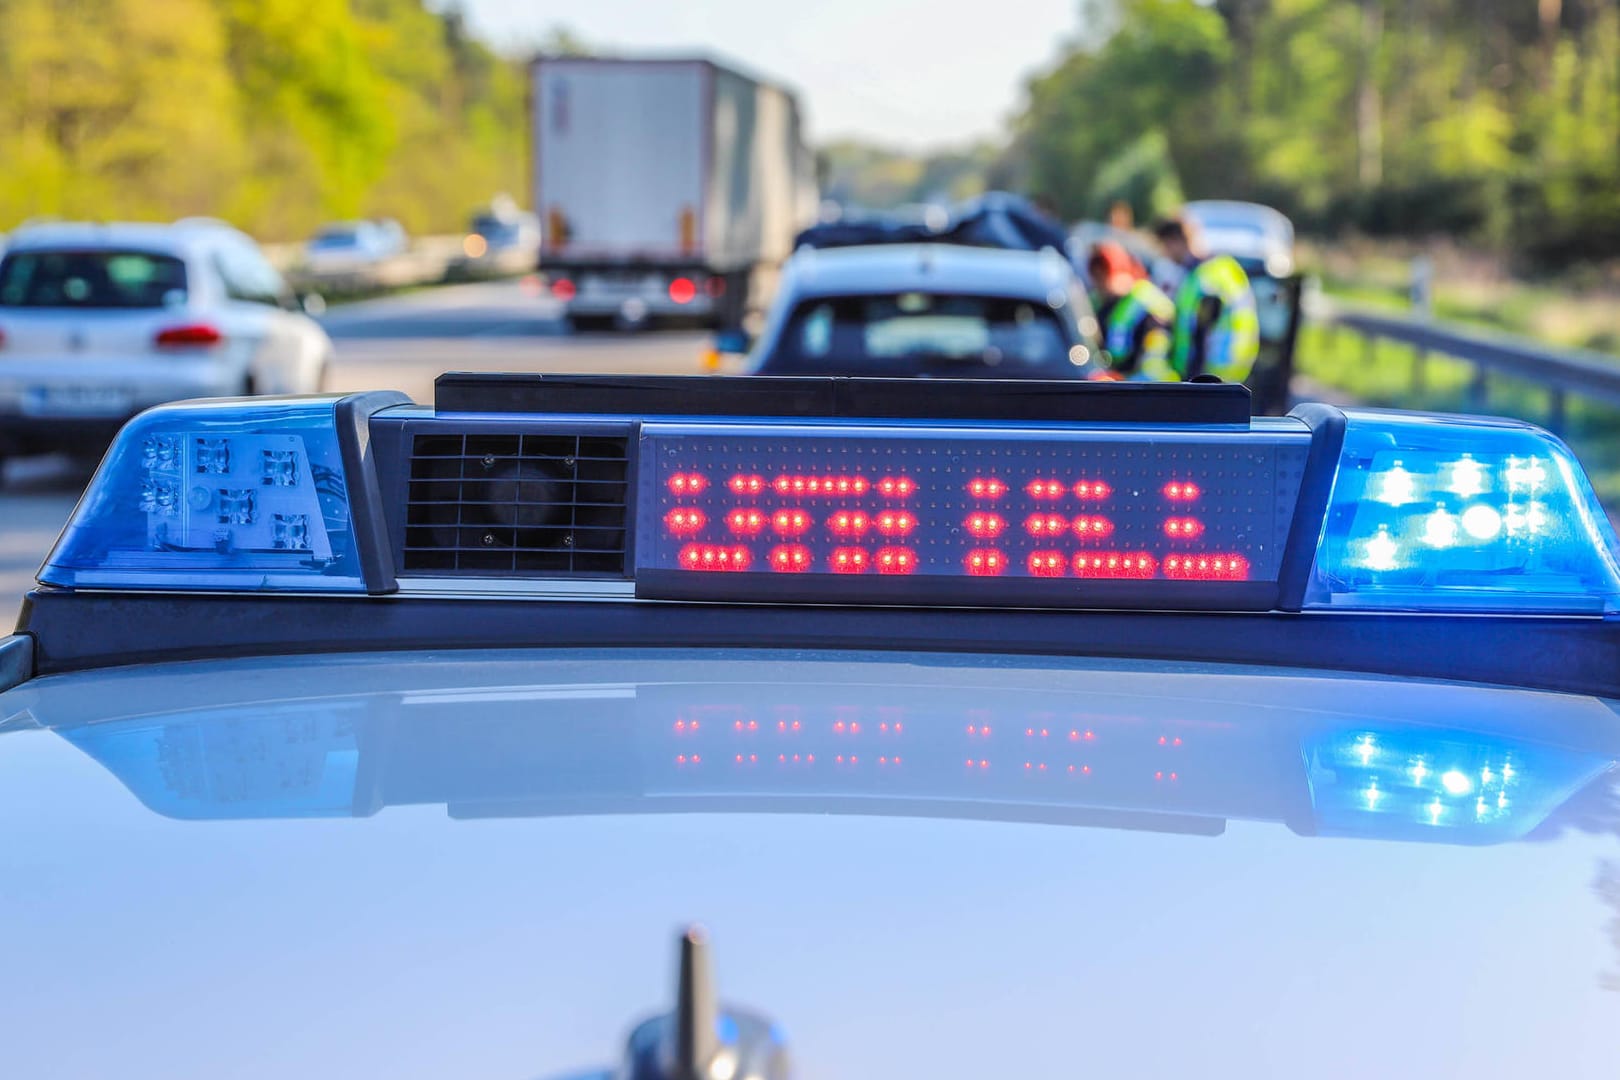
{"x":563,"y":289}
{"x":189,"y":336}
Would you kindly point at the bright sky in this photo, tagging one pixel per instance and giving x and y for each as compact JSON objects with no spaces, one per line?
{"x":913,"y":73}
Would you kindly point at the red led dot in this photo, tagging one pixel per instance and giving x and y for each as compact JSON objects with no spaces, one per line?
{"x":687,"y":483}
{"x":795,"y":725}
{"x":1026,"y":765}
{"x":1181,"y":491}
{"x":790,"y":522}
{"x":1176,"y":741}
{"x":1173,"y":777}
{"x":1207,"y":567}
{"x":680,"y":759}
{"x":790,"y":558}
{"x":895,"y":523}
{"x":1158,"y":776}
{"x":986,"y":487}
{"x":1046,"y":524}
{"x":985,"y":562}
{"x":839,"y":759}
{"x":1085,"y":769}
{"x":849,"y":560}
{"x":1184,"y":528}
{"x":1092,"y":489}
{"x":715,"y":557}
{"x":1047,"y":563}
{"x":1046,"y":489}
{"x":1114,"y":564}
{"x":684,"y":522}
{"x":847,"y":523}
{"x":1029,"y":732}
{"x":970,"y":763}
{"x":1092,"y":527}
{"x":983,"y":764}
{"x":746,"y":484}
{"x":746,"y":522}
{"x":896,"y":560}
{"x":985,"y":526}
{"x":680,"y":725}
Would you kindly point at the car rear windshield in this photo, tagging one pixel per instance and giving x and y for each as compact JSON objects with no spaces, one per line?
{"x":91,"y":279}
{"x":336,"y":238}
{"x":943,"y":334}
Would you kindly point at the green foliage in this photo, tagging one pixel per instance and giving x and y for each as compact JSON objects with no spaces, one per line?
{"x":276,"y":114}
{"x":861,"y":174}
{"x":1141,"y":176}
{"x":1495,"y":120}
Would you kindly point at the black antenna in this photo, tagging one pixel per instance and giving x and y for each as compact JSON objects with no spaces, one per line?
{"x":696,"y":1011}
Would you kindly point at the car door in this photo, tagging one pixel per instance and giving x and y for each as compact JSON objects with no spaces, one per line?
{"x":291,"y":348}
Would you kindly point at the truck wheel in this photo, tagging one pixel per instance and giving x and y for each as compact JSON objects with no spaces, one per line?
{"x":582,"y":324}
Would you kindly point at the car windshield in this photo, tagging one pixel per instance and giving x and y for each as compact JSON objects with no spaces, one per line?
{"x":91,"y":279}
{"x":973,"y":335}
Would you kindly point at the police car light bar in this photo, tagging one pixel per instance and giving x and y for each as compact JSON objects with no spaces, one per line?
{"x":1352,"y":511}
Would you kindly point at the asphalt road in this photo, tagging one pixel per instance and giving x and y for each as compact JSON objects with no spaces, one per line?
{"x":398,"y":343}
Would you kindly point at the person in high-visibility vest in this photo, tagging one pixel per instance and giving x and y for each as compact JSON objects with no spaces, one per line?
{"x":1136,"y":316}
{"x":1217,"y":328}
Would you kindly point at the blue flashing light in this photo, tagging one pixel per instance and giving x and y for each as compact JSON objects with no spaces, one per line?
{"x":1448,"y":787}
{"x":245,"y":495}
{"x":1441,"y":513}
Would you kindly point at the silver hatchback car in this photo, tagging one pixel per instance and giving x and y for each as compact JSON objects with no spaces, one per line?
{"x":98,"y":322}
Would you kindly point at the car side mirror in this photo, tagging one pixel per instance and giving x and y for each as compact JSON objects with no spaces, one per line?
{"x":732,"y":342}
{"x":312,"y":304}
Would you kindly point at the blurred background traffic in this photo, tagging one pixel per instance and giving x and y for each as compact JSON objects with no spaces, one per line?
{"x":1424,"y":197}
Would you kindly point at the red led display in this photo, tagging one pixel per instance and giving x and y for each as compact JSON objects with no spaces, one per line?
{"x":1063,"y":512}
{"x":746,"y":522}
{"x":847,"y":523}
{"x":791,"y":559}
{"x":1046,"y":489}
{"x":985,"y":562}
{"x":849,"y":560}
{"x":685,"y":522}
{"x":1114,"y":564}
{"x":1183,"y":528}
{"x":715,"y":557}
{"x":1046,"y":525}
{"x":1092,"y":527}
{"x":985,"y":526}
{"x":986,"y":487}
{"x":896,"y":560}
{"x":895,"y":523}
{"x":1225,"y":567}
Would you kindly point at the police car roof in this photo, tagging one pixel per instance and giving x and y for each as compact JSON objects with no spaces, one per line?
{"x":887,"y":269}
{"x":544,"y":818}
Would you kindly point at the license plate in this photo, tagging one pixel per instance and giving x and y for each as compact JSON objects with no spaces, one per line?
{"x":76,"y":400}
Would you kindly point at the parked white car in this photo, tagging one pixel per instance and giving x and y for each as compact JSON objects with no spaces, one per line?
{"x":98,"y":322}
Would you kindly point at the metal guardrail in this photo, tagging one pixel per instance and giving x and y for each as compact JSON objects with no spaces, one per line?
{"x":1560,"y":372}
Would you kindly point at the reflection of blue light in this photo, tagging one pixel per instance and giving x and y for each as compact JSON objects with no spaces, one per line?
{"x":1489,"y":789}
{"x":287,"y":761}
